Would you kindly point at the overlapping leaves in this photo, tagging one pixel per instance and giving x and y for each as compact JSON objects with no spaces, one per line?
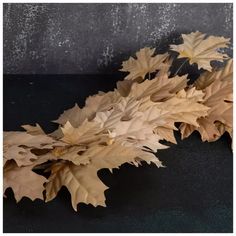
{"x":122,"y":126}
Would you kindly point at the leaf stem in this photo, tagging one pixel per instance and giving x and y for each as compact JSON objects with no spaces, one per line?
{"x":181,"y":66}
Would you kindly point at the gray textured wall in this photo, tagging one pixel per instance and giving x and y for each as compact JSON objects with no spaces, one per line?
{"x":95,"y":38}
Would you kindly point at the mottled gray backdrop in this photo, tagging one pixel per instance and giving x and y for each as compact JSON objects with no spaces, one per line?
{"x":96,"y":38}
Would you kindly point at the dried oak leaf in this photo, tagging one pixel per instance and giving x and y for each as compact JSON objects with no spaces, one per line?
{"x":82,"y":180}
{"x":99,"y":102}
{"x":222,"y":128}
{"x":145,"y":63}
{"x":158,"y":89}
{"x":23,"y":181}
{"x":71,"y":153}
{"x":201,"y":50}
{"x":179,"y":108}
{"x":218,"y":98}
{"x":33,"y":130}
{"x":207,"y":77}
{"x":165,"y":67}
{"x":18,"y":146}
{"x":83,"y":135}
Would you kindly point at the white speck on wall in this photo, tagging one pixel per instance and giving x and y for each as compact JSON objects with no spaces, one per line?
{"x":143,"y":8}
{"x":228,"y":13}
{"x":7,"y":18}
{"x":115,"y":16}
{"x":107,"y":56}
{"x":67,"y":41}
{"x":53,"y":30}
{"x":166,"y":22}
{"x":28,"y":28}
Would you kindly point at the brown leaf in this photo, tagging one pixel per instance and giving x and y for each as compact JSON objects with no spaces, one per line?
{"x":124,"y":87}
{"x":99,"y":102}
{"x":158,"y":89}
{"x":206,"y":78}
{"x":22,"y":138}
{"x":201,"y":50}
{"x":84,"y":134}
{"x":75,"y":116}
{"x":81,"y":181}
{"x":33,"y":130}
{"x":145,"y":63}
{"x":221,"y":110}
{"x":22,"y":156}
{"x":116,"y":154}
{"x":18,"y":146}
{"x":23,"y":181}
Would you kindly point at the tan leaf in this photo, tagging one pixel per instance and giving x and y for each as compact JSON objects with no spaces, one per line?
{"x":125,"y":110}
{"x":81,"y":181}
{"x":217,"y":92}
{"x":220,"y":110}
{"x":71,"y":153}
{"x":145,"y":63}
{"x":223,"y":112}
{"x":176,"y":109}
{"x":75,"y":116}
{"x":18,"y":146}
{"x":116,"y":154}
{"x":33,"y":130}
{"x":222,"y":128}
{"x":124,"y":87}
{"x":103,"y":101}
{"x":206,"y":78}
{"x":57,"y":134}
{"x":207,"y":130}
{"x":201,"y":50}
{"x":84,"y":134}
{"x":22,"y":156}
{"x":165,"y":67}
{"x":35,"y":141}
{"x":23,"y":181}
{"x":159,"y":88}
{"x":99,"y":102}
{"x":166,"y":133}
{"x":192,"y":94}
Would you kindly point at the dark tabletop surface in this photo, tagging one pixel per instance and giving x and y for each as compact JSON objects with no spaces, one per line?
{"x":193,"y":194}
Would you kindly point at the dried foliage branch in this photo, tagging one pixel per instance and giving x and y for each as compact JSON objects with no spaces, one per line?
{"x":124,"y":125}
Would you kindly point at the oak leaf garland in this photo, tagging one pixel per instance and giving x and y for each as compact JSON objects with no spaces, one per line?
{"x":124,"y":125}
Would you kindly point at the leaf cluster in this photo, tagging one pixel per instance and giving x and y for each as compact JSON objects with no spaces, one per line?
{"x":124,"y":125}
